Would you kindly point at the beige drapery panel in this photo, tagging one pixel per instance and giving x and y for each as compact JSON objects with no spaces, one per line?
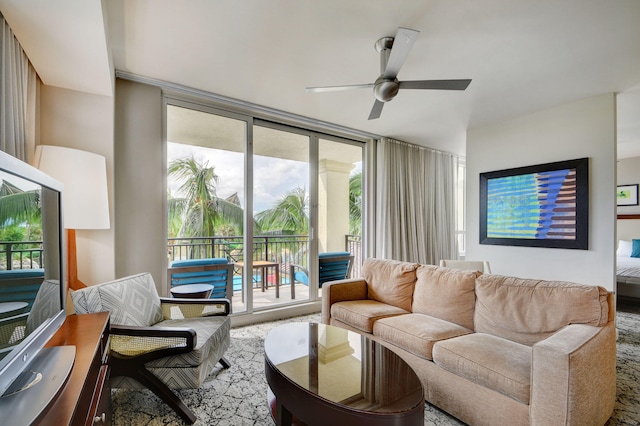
{"x":416,"y":203}
{"x":18,"y":86}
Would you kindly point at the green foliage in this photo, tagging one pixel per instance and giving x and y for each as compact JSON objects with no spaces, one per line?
{"x":18,"y":206}
{"x":355,"y":204}
{"x":12,"y":233}
{"x":198,"y":212}
{"x":289,"y":213}
{"x":19,"y":213}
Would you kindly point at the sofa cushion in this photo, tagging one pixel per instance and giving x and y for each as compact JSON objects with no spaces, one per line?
{"x":362,"y":314}
{"x":390,"y":281}
{"x":211,"y":332}
{"x":183,"y":371}
{"x":489,"y":361}
{"x":445,"y":293}
{"x":416,"y":333}
{"x":536,"y":308}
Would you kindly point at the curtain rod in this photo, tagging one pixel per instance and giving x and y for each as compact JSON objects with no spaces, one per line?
{"x":437,"y":151}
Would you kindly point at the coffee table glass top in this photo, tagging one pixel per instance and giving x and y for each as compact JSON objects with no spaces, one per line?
{"x":343,"y":367}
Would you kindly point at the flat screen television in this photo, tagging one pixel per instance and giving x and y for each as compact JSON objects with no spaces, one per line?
{"x":32,"y":290}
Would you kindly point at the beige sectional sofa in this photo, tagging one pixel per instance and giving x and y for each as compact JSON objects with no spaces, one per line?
{"x":489,"y":349}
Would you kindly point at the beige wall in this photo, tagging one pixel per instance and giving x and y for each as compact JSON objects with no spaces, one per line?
{"x":84,"y":121}
{"x":585,"y":128}
{"x":135,"y":160}
{"x":140,"y":198}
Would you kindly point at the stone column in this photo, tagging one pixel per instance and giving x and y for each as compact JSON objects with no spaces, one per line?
{"x":333,"y":199}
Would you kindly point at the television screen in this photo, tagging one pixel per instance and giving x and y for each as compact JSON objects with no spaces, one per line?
{"x":32,"y":288}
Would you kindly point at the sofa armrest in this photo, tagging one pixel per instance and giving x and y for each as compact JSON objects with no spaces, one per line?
{"x":340,"y":291}
{"x":573,"y":376}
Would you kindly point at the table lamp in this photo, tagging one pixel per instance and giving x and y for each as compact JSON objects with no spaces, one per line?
{"x":85,"y":198}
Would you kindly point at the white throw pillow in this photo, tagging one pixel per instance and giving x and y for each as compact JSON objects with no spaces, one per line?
{"x":624,"y":248}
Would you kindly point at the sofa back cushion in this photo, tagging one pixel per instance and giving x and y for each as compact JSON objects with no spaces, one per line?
{"x":527,"y":310}
{"x":445,"y":293}
{"x":131,"y":300}
{"x":390,"y":281}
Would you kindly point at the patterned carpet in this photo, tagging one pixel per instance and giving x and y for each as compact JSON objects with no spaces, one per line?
{"x":237,"y":396}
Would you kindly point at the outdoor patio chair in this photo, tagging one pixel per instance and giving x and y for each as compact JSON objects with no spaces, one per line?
{"x":217,"y":272}
{"x":159,"y":343}
{"x":332,"y":266}
{"x":11,"y":331}
{"x":234,"y":251}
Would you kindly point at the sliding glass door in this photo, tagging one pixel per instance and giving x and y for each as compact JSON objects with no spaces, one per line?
{"x":281,"y":196}
{"x":264,"y":196}
{"x":206,"y":190}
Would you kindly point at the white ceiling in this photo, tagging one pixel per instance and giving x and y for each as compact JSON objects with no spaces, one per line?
{"x":522,"y":55}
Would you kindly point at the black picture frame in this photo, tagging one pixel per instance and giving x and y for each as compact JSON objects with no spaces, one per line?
{"x":627,"y":195}
{"x":544,"y":205}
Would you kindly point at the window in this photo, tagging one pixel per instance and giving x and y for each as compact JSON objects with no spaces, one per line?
{"x":267,"y":196}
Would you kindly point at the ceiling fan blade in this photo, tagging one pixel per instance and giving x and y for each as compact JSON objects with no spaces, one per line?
{"x":337,"y":88}
{"x":376,"y":110}
{"x":435,"y":84}
{"x":402,"y":44}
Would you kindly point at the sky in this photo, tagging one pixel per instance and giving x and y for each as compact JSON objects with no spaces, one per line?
{"x":273,"y":177}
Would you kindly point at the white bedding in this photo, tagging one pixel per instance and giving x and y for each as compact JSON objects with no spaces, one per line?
{"x":628,"y":269}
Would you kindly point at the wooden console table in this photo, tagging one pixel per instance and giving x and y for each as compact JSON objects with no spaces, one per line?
{"x":85,"y":399}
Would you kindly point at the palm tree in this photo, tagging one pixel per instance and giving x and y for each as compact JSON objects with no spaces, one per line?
{"x":18,"y":208}
{"x":355,"y":203}
{"x":20,"y":216}
{"x":289,"y":213}
{"x":16,"y":205}
{"x":199,"y":208}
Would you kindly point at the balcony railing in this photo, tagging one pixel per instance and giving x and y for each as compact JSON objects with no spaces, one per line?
{"x":21,"y":255}
{"x":353,"y":244}
{"x":283,"y":249}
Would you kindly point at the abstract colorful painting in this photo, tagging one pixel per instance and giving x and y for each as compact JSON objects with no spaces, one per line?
{"x":543,"y":205}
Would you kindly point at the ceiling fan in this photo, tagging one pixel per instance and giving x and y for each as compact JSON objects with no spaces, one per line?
{"x":393,"y":52}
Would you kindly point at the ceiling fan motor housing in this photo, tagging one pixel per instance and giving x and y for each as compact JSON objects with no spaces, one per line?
{"x":386,"y":89}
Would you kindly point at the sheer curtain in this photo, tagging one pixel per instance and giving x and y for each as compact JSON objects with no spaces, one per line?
{"x":18,"y":85}
{"x":416,"y":217}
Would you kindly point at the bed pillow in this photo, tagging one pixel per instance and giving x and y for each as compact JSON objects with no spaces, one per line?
{"x":624,"y":248}
{"x":635,"y":249}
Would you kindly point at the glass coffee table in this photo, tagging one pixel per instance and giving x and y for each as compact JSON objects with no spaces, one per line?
{"x":319,"y":374}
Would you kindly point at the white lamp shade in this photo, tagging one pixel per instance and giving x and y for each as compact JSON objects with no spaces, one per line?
{"x":84,"y":176}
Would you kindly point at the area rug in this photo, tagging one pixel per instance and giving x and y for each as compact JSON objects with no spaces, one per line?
{"x":237,"y":396}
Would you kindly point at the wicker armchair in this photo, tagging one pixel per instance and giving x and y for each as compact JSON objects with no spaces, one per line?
{"x":11,"y":332}
{"x":159,"y":343}
{"x":14,"y":329}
